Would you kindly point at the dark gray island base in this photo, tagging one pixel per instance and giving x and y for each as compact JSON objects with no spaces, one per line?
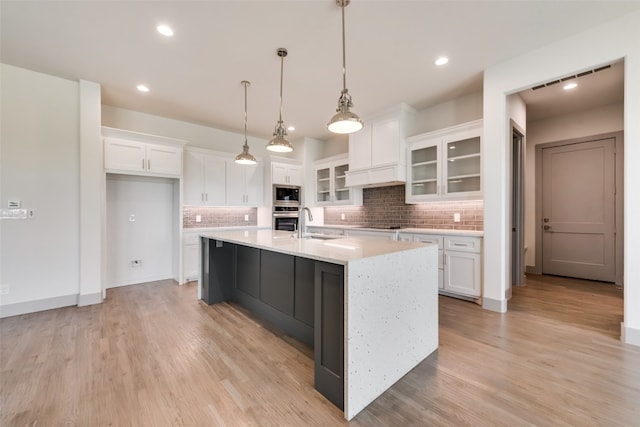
{"x":368,"y":307}
{"x":301,"y":296}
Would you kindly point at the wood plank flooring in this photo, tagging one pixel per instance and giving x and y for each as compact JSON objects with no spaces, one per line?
{"x":152,"y":355}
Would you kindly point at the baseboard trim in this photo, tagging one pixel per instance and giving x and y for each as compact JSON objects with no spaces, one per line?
{"x":138,"y":281}
{"x":499,"y":305}
{"x":629,"y":335}
{"x":89,"y":299}
{"x":26,"y":307}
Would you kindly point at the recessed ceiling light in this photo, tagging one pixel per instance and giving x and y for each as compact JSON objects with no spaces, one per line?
{"x":291,"y":128}
{"x":570,"y":86}
{"x":142,"y":88}
{"x":442,"y":60}
{"x":165,"y":30}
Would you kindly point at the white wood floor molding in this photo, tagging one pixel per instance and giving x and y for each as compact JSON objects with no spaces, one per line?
{"x":630,"y":335}
{"x":18,"y":308}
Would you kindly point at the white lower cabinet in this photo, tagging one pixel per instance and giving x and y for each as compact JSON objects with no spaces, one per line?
{"x":459,"y":263}
{"x":190,"y":256}
{"x":462,"y":266}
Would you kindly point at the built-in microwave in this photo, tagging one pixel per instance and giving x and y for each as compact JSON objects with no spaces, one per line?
{"x":286,"y":195}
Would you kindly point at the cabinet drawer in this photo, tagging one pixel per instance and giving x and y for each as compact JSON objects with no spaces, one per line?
{"x":425,"y":238}
{"x":462,"y":244}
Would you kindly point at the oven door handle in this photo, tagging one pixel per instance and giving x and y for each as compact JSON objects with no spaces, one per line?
{"x":284,"y":215}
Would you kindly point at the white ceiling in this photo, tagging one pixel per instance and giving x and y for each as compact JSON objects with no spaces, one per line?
{"x":195,"y":76}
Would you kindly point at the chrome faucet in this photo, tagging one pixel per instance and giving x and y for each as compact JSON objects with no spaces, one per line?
{"x":302,"y":228}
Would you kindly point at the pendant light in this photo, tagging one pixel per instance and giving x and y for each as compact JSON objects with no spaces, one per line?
{"x":279,"y":143}
{"x":344,"y":121}
{"x":245,"y":158}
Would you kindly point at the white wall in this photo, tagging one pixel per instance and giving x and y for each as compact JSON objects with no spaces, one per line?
{"x":596,"y":121}
{"x":147,"y":236}
{"x":600,"y":45}
{"x":196,"y":135}
{"x":39,"y":260}
{"x":454,"y":112}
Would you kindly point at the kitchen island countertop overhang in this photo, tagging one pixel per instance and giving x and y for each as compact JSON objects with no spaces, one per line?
{"x":388,"y":295}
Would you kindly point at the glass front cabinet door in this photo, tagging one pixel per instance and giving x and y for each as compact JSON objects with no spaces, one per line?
{"x":445,"y":164}
{"x":331,"y":186}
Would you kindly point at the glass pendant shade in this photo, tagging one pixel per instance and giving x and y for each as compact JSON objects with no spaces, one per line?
{"x":279,"y":143}
{"x":344,"y":121}
{"x":245,"y":158}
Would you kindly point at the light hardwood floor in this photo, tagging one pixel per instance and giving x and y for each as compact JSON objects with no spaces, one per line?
{"x":151,"y":355}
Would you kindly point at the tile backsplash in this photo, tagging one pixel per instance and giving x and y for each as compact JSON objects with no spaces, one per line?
{"x":385,"y":207}
{"x":218,"y":217}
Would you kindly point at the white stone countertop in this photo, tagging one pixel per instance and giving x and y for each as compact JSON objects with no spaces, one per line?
{"x":437,"y":231}
{"x":207,"y":229}
{"x":337,"y":250}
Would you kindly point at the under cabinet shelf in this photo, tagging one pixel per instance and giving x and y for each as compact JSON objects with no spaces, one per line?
{"x":475,"y":175}
{"x":421,"y":181}
{"x":466,"y":156}
{"x":430,"y":162}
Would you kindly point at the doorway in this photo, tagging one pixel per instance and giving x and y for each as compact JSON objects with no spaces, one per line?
{"x":578,"y":209}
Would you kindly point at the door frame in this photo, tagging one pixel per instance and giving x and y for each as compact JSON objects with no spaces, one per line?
{"x":619,"y":198}
{"x":517,"y":203}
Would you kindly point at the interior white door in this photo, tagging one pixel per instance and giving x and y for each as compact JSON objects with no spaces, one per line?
{"x":578,"y":210}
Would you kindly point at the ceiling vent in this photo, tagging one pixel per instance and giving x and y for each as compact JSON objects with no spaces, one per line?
{"x":574,"y":76}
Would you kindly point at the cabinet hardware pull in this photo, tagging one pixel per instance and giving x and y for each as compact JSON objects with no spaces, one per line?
{"x":149,"y":164}
{"x":142,"y":164}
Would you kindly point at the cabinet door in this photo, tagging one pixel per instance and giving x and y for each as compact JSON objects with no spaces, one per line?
{"x":277,"y":281}
{"x":253,"y":184}
{"x":328,"y":349}
{"x":193,"y":184}
{"x":341,"y":193}
{"x":191,"y":264}
{"x":164,"y":159}
{"x":462,"y":166}
{"x":214,"y":180}
{"x":385,"y":142}
{"x":360,"y":149}
{"x":462,"y":273}
{"x":295,"y":175}
{"x":235,"y":184}
{"x":423,"y":170}
{"x":120,"y":154}
{"x":323,"y":185}
{"x":279,"y":174}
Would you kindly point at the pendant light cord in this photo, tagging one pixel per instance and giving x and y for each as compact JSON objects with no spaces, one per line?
{"x":245,"y":113}
{"x":344,"y":55}
{"x":281,"y":78}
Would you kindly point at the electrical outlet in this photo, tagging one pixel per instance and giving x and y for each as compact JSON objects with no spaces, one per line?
{"x":456,"y":217}
{"x":246,"y":218}
{"x":198,"y":218}
{"x":342,"y":217}
{"x":31,"y":213}
{"x":136,"y":263}
{"x":4,"y":290}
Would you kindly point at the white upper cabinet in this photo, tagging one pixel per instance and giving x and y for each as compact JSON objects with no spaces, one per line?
{"x":125,"y":156}
{"x":136,"y":153}
{"x":204,"y":179}
{"x":287,"y":174}
{"x":377,"y":153}
{"x":330,"y":185}
{"x":244,"y":184}
{"x":445,"y":164}
{"x":214,"y":179}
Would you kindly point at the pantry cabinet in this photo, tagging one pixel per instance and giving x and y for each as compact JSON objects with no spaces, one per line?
{"x":445,"y":164}
{"x":330,"y":183}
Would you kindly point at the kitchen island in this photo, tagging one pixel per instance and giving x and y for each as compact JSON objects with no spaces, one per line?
{"x":369,"y":308}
